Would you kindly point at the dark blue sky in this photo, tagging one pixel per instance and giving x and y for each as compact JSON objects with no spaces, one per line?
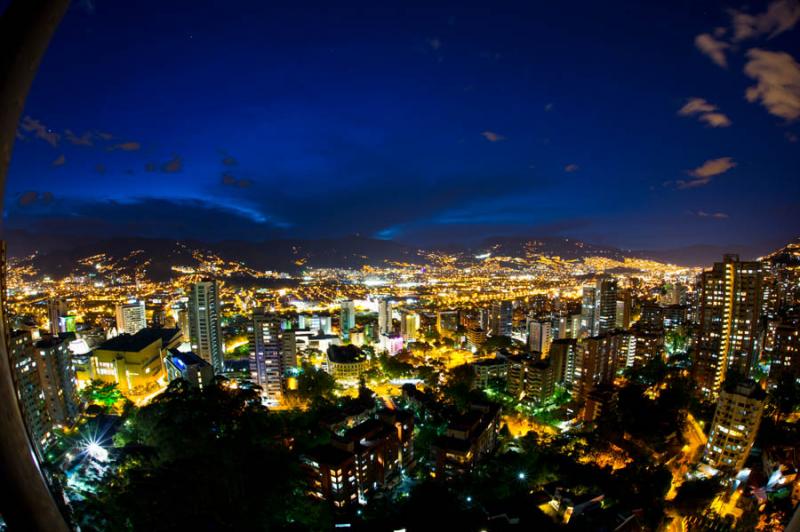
{"x":244,"y":120}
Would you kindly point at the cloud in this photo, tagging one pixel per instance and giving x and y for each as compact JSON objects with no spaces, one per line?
{"x":126,"y":146}
{"x":715,"y":119}
{"x":572,"y":167}
{"x":435,"y":43}
{"x":491,"y":136}
{"x":791,"y":137}
{"x":105,"y":135}
{"x":707,"y":111}
{"x":778,"y":82}
{"x":229,"y":160}
{"x":705,"y":172}
{"x":40,"y":131}
{"x":714,"y":215}
{"x":150,"y":167}
{"x":173,"y":165}
{"x":31,"y":198}
{"x":84,"y":140}
{"x":100,"y":168}
{"x":779,"y":17}
{"x":548,"y":107}
{"x":59,"y":161}
{"x":712,"y":48}
{"x":231,"y":180}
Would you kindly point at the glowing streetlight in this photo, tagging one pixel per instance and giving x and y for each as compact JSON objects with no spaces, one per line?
{"x":96,"y":451}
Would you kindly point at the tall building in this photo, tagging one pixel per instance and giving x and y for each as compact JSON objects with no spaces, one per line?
{"x":501,"y":318}
{"x":623,"y":318}
{"x":731,"y":301}
{"x":266,"y":358}
{"x":57,"y":376}
{"x":384,"y":316}
{"x":588,"y":312}
{"x":733,"y":431}
{"x":539,"y":336}
{"x":131,"y":317}
{"x":29,"y":388}
{"x":597,"y":360}
{"x":347,"y":318}
{"x":562,"y":359}
{"x":447,"y":321}
{"x":606,"y":305}
{"x":409,"y":326}
{"x":205,"y":332}
{"x":56,"y":310}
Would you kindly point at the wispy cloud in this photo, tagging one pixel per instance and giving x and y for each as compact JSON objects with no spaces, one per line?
{"x":40,"y":131}
{"x":59,"y":161}
{"x":84,"y":140}
{"x":778,"y":82}
{"x":491,"y":136}
{"x":703,"y":174}
{"x":231,"y":180}
{"x":31,"y":198}
{"x":173,"y":165}
{"x":126,"y":146}
{"x":714,"y":215}
{"x":713,"y":48}
{"x":779,"y":17}
{"x":572,"y":167}
{"x":707,"y":112}
{"x":229,"y":160}
{"x":435,"y":43}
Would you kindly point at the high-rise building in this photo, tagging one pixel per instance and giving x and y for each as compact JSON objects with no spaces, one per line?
{"x":266,"y":357}
{"x":597,"y":360}
{"x":54,"y":360}
{"x":131,"y":317}
{"x":347,"y":318}
{"x":623,"y":318}
{"x":447,"y":321}
{"x":56,"y":310}
{"x":409,"y":326}
{"x":501,"y":318}
{"x":588,"y":312}
{"x":731,"y":301}
{"x":539,"y":336}
{"x":785,"y":353}
{"x":733,"y":431}
{"x":562,"y":359}
{"x":385,"y":316}
{"x":29,"y":388}
{"x":606,"y":305}
{"x":205,"y":332}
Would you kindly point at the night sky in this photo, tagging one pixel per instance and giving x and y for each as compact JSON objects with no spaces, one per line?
{"x":642,"y":124}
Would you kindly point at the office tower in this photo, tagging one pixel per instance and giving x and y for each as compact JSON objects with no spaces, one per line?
{"x":539,"y":336}
{"x":731,"y":301}
{"x":29,"y":388}
{"x":384,"y":316}
{"x":588,"y":312}
{"x":347,"y":318}
{"x":606,"y":305}
{"x":266,"y":360}
{"x":205,"y":332}
{"x":597,"y":360}
{"x":56,"y":310}
{"x":501,"y":318}
{"x":562,"y":360}
{"x":58,"y":380}
{"x":131,"y":317}
{"x":409,"y":326}
{"x":623,"y":318}
{"x":736,"y":421}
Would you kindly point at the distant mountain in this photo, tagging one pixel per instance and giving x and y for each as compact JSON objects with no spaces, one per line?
{"x":57,"y":257}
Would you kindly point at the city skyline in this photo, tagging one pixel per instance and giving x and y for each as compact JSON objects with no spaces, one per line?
{"x":633,"y":126}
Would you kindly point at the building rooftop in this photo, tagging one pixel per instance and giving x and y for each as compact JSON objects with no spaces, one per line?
{"x":747,"y":388}
{"x":49,"y":341}
{"x":132,"y":343}
{"x":330,"y":455}
{"x":188,"y":358}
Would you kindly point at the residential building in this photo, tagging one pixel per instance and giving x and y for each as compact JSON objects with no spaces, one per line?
{"x":205,"y":331}
{"x":736,"y":421}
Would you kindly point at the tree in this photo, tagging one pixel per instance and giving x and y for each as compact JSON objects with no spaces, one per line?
{"x":314,"y":384}
{"x":786,"y":396}
{"x":102,"y":393}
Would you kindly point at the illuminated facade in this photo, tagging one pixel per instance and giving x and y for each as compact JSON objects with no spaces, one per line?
{"x":204,"y":328}
{"x":731,"y":303}
{"x":130,"y":317}
{"x":266,"y":362}
{"x":736,"y":421}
